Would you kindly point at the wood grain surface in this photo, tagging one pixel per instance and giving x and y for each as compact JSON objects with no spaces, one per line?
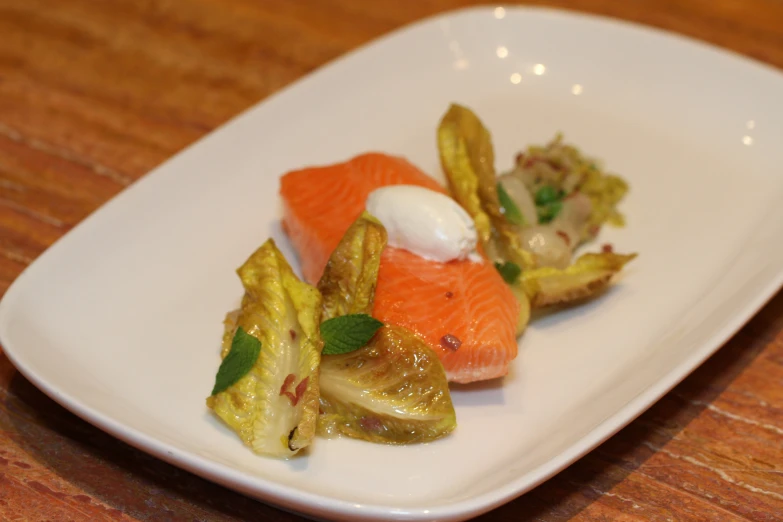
{"x":94,"y":94}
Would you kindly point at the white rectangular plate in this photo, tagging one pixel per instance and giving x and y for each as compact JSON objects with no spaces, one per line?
{"x":120,"y":321}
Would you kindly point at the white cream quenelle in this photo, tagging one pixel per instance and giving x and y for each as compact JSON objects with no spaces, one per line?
{"x":425,"y":222}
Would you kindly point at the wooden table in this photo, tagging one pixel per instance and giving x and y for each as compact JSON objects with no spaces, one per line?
{"x":94,"y":94}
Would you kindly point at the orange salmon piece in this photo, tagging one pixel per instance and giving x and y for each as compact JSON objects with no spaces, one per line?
{"x":463,"y":310}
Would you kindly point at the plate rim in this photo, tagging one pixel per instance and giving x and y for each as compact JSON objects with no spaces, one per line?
{"x":303,"y":502}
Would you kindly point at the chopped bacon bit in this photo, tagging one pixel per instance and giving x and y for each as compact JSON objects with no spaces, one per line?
{"x":289,"y":380}
{"x":451,"y":342}
{"x":300,"y":389}
{"x":449,"y":294}
{"x":607,"y":248}
{"x":298,"y":392}
{"x":520,"y":157}
{"x":292,"y":333}
{"x":593,"y":230}
{"x":371,"y":423}
{"x":564,"y":236}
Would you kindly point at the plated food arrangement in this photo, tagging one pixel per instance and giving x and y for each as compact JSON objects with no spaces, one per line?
{"x":408,"y":285}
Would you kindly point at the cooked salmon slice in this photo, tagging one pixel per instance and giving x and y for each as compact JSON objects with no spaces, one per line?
{"x":320,"y":203}
{"x":463,"y":310}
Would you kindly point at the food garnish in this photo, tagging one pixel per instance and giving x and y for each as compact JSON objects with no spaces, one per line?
{"x":549,"y":203}
{"x":346,"y":333}
{"x":240,"y":359}
{"x":509,"y":271}
{"x":425,"y":222}
{"x":509,"y":208}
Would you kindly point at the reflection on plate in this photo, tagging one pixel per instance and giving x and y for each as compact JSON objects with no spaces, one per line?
{"x":121,"y":320}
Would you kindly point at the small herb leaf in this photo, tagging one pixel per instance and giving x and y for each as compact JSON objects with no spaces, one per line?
{"x":509,"y":271}
{"x":548,"y":194}
{"x":347,"y":333}
{"x":240,"y":359}
{"x":549,"y":203}
{"x":509,"y":208}
{"x":548,"y":212}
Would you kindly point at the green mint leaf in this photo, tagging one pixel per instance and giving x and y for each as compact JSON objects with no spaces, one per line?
{"x":547,"y":195}
{"x":547,"y":213}
{"x":509,"y":271}
{"x":348,"y":333}
{"x":509,"y":208}
{"x":240,"y":359}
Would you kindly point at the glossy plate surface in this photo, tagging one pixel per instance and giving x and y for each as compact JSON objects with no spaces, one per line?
{"x":120,"y":321}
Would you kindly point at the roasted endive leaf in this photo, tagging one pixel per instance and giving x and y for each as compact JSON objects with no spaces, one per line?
{"x":589,"y":274}
{"x":455,"y":158}
{"x":468,"y":159}
{"x":394,"y":390}
{"x":348,"y":281}
{"x":273,"y":407}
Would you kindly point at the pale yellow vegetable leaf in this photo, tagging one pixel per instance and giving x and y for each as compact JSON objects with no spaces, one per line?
{"x":588,"y":275}
{"x":348,"y":281}
{"x":273,"y":408}
{"x":394,"y":390}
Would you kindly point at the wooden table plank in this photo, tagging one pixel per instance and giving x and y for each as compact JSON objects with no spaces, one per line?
{"x":94,"y":94}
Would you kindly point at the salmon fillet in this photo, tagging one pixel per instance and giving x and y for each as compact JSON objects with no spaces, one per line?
{"x":463,"y":310}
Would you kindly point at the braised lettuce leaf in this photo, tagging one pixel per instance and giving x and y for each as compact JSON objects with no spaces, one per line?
{"x":587,"y":276}
{"x":274,"y":407}
{"x":348,"y":281}
{"x":394,"y":390}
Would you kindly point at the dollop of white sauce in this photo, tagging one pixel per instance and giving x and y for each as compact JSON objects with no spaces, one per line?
{"x":425,"y":222}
